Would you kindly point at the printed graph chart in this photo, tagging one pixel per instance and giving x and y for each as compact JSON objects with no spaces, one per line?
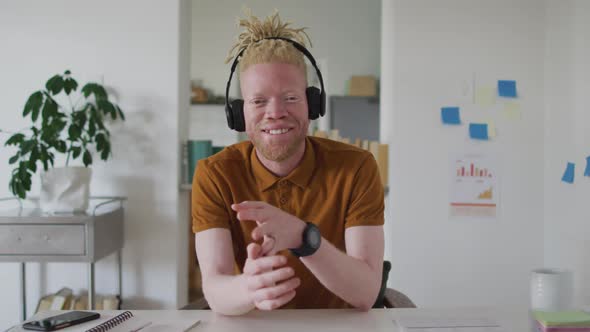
{"x":473,"y":171}
{"x":474,"y":191}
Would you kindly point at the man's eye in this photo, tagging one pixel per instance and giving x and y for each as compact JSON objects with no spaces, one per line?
{"x":258,"y":101}
{"x":292,"y":98}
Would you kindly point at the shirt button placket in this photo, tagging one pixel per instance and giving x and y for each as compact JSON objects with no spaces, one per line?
{"x":283,"y":195}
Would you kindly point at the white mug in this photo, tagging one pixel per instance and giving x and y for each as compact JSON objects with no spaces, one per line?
{"x":552,"y":289}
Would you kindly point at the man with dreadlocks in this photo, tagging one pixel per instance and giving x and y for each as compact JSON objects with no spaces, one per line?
{"x":285,"y":220}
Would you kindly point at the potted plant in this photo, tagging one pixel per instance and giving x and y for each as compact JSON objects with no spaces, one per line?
{"x":61,"y":126}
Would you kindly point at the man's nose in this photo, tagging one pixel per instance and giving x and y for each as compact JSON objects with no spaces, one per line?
{"x":276,"y":109}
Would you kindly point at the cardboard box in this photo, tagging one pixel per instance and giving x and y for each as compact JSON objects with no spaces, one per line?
{"x":363,"y":86}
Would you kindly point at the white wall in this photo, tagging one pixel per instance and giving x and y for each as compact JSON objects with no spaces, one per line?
{"x":135,"y":47}
{"x":430,"y":51}
{"x":567,"y":138}
{"x":345,"y":33}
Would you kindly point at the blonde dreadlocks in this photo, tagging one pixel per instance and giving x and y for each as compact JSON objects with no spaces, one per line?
{"x":260,"y":50}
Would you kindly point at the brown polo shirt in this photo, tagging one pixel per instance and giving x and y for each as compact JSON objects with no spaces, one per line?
{"x":335,"y":186}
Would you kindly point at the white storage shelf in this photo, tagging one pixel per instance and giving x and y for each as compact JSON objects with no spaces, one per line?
{"x":207,"y":121}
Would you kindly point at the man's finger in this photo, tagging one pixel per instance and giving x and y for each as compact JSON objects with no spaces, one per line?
{"x":276,"y":303}
{"x":272,"y":293}
{"x":259,"y":215}
{"x":268,"y":245}
{"x":254,"y":250}
{"x":248,"y":205}
{"x":263,"y":264}
{"x":264,"y":229}
{"x":270,"y":278}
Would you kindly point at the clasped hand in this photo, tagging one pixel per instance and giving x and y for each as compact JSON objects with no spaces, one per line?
{"x":269,"y":283}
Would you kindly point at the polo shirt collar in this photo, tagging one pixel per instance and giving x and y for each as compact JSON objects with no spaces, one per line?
{"x":300,"y":176}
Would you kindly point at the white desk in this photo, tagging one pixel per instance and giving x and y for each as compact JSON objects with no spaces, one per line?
{"x":315,"y":320}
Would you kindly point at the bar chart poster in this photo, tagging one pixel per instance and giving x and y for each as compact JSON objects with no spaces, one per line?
{"x":474,"y":186}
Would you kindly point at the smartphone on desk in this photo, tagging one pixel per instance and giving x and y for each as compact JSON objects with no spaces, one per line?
{"x":61,"y":321}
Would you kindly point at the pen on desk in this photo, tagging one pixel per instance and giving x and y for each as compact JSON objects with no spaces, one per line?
{"x":141,"y":327}
{"x":192,"y":326}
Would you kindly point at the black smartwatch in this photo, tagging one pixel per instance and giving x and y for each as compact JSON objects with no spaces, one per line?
{"x":312,"y":238}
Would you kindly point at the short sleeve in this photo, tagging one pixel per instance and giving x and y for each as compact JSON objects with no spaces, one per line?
{"x":366,"y":202}
{"x":208,"y":208}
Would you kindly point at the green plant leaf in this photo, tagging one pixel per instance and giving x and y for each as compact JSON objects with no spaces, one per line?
{"x":49,"y":108}
{"x":27,"y":146}
{"x":20,"y":190}
{"x":91,"y":127}
{"x":55,"y":84}
{"x":33,"y":103}
{"x":87,"y":158}
{"x":76,"y":151}
{"x":15,"y":139}
{"x":14,"y":159}
{"x":26,"y":180}
{"x":35,"y":114}
{"x":74,"y":132}
{"x":100,"y":92}
{"x":88,"y":89}
{"x":81,"y":118}
{"x":60,"y":146}
{"x":59,"y":125}
{"x":104,"y":155}
{"x":107,"y":108}
{"x":120,"y":112}
{"x":22,"y":169}
{"x":11,"y":185}
{"x":100,"y":141}
{"x":70,"y":85}
{"x":33,"y":159}
{"x":34,"y":154}
{"x":33,"y":166}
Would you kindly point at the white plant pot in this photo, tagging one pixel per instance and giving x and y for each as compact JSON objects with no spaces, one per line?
{"x":65,"y":189}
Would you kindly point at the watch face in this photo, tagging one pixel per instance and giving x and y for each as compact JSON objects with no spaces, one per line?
{"x":313,"y":238}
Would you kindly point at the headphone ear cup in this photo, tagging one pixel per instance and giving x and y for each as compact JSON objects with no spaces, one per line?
{"x":229,"y":116}
{"x":237,"y":111}
{"x":314,"y":102}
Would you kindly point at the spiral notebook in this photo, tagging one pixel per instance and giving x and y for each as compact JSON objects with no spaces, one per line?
{"x":122,"y":322}
{"x":127,"y":322}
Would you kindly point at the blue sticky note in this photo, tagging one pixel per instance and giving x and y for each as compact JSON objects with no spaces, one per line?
{"x":450,"y":115}
{"x":507,"y":89}
{"x":587,"y":171}
{"x":478,"y":131}
{"x":568,"y":175}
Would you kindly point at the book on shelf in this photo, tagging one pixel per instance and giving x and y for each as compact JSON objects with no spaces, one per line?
{"x":109,"y":302}
{"x":44,"y":303}
{"x":65,"y":300}
{"x":562,"y":321}
{"x":321,"y":134}
{"x":62,"y":299}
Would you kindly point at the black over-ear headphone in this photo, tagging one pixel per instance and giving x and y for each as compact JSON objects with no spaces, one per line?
{"x":316,"y":99}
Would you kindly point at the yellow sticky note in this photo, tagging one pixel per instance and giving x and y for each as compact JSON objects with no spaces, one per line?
{"x":485,"y":96}
{"x":491,"y":128}
{"x":512,"y":110}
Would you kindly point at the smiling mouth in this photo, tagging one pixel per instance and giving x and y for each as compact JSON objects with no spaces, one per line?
{"x":277,"y":131}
